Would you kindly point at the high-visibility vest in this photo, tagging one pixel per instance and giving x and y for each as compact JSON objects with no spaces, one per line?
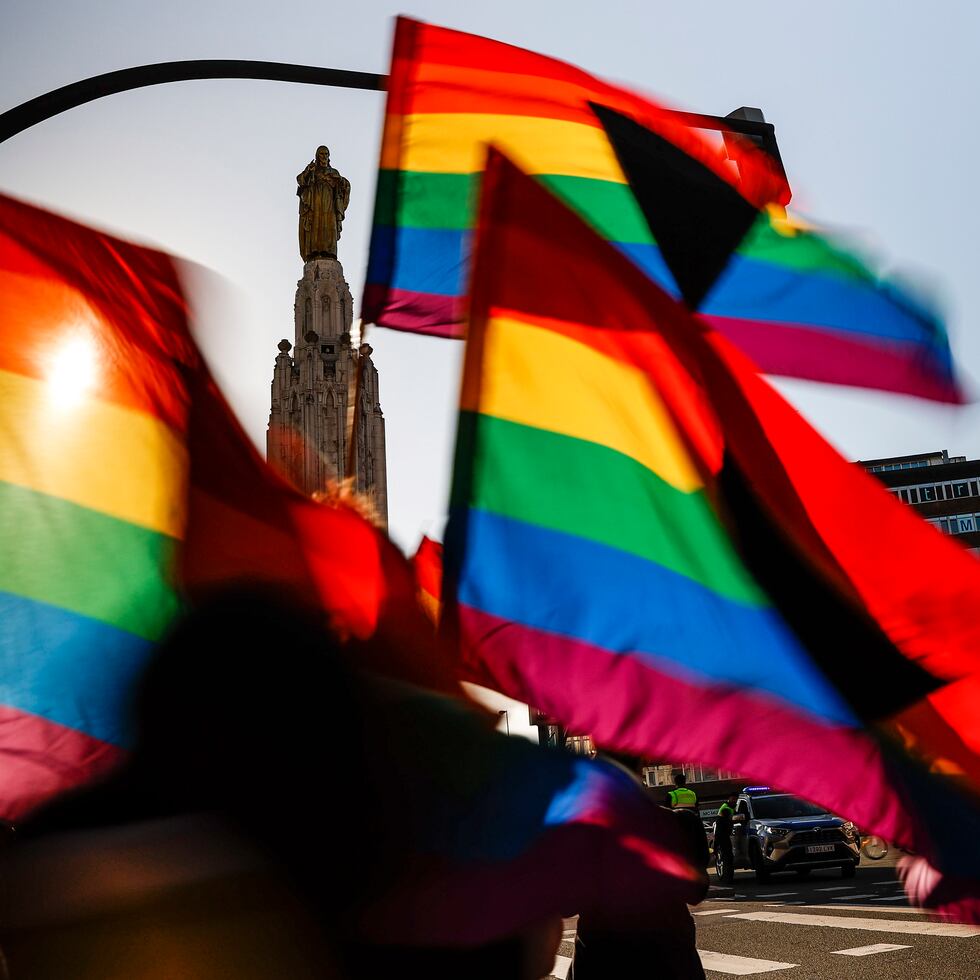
{"x":683,"y":797}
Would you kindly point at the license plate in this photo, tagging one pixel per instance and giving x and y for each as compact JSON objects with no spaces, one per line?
{"x":820,"y":849}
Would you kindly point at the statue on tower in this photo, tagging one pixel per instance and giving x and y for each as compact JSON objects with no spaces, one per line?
{"x":324,"y":194}
{"x":323,"y":381}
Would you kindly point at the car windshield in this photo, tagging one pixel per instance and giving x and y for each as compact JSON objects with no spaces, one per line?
{"x":781,"y":807}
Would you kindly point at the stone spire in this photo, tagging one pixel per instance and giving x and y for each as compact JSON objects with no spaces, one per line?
{"x":312,"y":386}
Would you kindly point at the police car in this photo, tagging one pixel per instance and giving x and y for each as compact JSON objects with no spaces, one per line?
{"x":780,"y":832}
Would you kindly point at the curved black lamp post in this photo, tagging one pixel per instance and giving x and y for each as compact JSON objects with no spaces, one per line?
{"x":29,"y":113}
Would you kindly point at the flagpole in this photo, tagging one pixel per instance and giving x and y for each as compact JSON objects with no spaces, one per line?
{"x":350,"y":468}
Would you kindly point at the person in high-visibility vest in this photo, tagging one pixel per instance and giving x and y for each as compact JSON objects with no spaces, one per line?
{"x":682,"y":798}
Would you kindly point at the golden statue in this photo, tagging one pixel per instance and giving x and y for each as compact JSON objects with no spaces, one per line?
{"x":323,"y":198}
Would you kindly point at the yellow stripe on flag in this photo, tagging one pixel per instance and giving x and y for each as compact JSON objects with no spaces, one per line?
{"x":105,"y":457}
{"x":537,"y":377}
{"x":457,"y":143}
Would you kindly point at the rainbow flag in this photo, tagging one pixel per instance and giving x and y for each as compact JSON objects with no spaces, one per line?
{"x":93,"y":475}
{"x":625,"y":553}
{"x":792,"y":300}
{"x":127,"y":488}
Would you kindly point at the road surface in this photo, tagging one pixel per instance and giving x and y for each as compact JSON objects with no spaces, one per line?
{"x":824,"y":927}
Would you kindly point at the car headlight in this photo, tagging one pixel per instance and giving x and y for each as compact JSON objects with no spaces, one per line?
{"x":776,"y":833}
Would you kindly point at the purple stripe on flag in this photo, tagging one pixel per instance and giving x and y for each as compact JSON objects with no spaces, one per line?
{"x":41,"y":758}
{"x":402,"y":309}
{"x":797,"y":351}
{"x":626,"y":702}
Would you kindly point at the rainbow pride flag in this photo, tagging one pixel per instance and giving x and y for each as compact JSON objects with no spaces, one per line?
{"x":624,"y":553}
{"x":128,"y":488}
{"x":93,"y":474}
{"x":792,"y":300}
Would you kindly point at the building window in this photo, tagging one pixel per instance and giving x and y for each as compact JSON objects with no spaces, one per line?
{"x":927,"y":494}
{"x":961,"y":490}
{"x":581,"y":745}
{"x":962,"y":523}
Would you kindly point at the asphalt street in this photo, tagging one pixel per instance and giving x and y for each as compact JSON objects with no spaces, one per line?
{"x":824,"y":926}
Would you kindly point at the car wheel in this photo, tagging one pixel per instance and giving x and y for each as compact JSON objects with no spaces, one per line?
{"x":761,"y":871}
{"x":848,"y":870}
{"x":803,"y":872}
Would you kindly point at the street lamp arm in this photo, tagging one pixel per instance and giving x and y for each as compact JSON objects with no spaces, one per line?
{"x":36,"y":110}
{"x":29,"y":113}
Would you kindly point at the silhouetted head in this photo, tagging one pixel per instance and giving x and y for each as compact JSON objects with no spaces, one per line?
{"x":680,"y":779}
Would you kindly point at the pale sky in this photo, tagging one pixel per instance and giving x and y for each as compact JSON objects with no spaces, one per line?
{"x":875,"y":106}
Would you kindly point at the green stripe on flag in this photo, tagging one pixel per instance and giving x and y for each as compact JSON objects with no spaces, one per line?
{"x":420,"y":200}
{"x":609,"y":207}
{"x":425,"y":200}
{"x":69,"y":556}
{"x":805,"y":252}
{"x":593,"y":492}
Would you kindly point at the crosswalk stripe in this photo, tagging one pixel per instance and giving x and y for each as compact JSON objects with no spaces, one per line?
{"x":871,"y":908}
{"x":740,"y":966}
{"x":949,"y":929}
{"x":836,"y":888}
{"x":778,"y":895}
{"x":853,"y":898}
{"x":563,"y":965}
{"x":715,"y":911}
{"x":869,"y":950}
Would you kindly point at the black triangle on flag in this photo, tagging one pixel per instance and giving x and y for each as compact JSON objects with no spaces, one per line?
{"x":696,"y":217}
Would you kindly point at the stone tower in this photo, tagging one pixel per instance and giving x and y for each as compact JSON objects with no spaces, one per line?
{"x":314,"y":384}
